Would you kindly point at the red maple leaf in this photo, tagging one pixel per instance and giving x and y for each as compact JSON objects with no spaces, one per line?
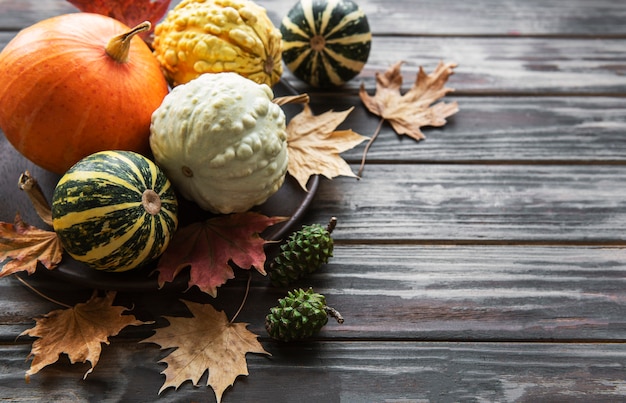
{"x":130,"y":12}
{"x":209,"y":246}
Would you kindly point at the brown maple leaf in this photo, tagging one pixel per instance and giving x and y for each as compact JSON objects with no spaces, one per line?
{"x":22,"y":246}
{"x":77,"y":331}
{"x":314,"y":145}
{"x":206,"y":341}
{"x":208,"y":247}
{"x":408,"y":113}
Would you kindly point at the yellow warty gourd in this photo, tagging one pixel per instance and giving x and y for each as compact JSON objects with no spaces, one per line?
{"x":214,"y":36}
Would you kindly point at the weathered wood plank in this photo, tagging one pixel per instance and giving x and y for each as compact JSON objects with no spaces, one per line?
{"x":468,"y":272}
{"x":492,"y":130}
{"x":498,"y":129}
{"x":495,"y":65}
{"x":477,"y":203}
{"x":402,"y":292}
{"x":451,"y":17}
{"x":15,"y":15}
{"x":501,"y":65}
{"x":342,"y":372}
{"x":493,"y":17}
{"x":476,"y":293}
{"x":464,"y":203}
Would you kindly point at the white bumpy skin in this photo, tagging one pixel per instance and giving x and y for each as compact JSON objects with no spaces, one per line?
{"x":221,"y":141}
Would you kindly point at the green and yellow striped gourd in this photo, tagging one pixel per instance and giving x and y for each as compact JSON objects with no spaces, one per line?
{"x":325,"y":42}
{"x":114,"y":211}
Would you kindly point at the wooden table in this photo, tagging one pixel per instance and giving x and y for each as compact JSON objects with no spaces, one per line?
{"x":486,"y":263}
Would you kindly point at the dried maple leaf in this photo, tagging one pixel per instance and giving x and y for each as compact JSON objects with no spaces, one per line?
{"x":130,"y":12}
{"x":208,"y":247}
{"x":77,"y":331}
{"x":409,"y":112}
{"x":206,"y":341}
{"x":314,"y":145}
{"x":22,"y":246}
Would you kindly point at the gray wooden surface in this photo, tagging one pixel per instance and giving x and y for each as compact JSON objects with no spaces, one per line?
{"x":486,"y":263}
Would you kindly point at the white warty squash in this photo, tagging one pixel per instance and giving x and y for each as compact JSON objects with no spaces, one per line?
{"x":221,"y":141}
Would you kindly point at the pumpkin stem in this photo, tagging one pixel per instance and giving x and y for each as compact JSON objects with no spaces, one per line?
{"x":30,"y":185}
{"x":187,"y":171}
{"x":318,"y":43}
{"x":119,"y":46}
{"x":269,"y":66}
{"x":151,"y":201}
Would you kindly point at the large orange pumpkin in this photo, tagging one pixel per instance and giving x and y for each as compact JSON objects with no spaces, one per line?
{"x":76,"y":84}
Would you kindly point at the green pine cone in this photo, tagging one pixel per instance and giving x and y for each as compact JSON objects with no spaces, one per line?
{"x":304,"y":252}
{"x":299,"y":315}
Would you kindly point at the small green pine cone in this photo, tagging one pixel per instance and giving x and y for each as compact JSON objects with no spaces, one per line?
{"x":299,"y":315}
{"x":304,"y":252}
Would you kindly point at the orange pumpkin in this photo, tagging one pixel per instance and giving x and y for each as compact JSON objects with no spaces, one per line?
{"x":76,"y":84}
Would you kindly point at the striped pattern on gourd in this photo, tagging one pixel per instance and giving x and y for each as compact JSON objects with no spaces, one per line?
{"x":114,"y":211}
{"x":325,"y":42}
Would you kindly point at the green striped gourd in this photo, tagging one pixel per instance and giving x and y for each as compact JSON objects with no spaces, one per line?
{"x":325,"y":42}
{"x":114,"y":211}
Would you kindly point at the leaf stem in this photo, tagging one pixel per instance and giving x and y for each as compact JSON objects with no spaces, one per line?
{"x":245,"y":297}
{"x":291,"y":99}
{"x":36,"y":291}
{"x":369,"y":144}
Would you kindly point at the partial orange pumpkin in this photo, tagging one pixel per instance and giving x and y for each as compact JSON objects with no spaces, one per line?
{"x":76,"y":84}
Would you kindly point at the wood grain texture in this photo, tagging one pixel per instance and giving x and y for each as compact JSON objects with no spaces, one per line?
{"x":492,"y":17}
{"x":500,"y":65}
{"x":466,"y":203}
{"x":570,"y":130}
{"x":486,"y":263}
{"x":15,"y":15}
{"x":477,"y":203}
{"x":495,"y":66}
{"x":430,"y":17}
{"x":403,"y":292}
{"x":343,"y":372}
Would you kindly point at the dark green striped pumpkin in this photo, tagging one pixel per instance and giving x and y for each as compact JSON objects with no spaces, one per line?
{"x":114,"y":211}
{"x":325,"y":42}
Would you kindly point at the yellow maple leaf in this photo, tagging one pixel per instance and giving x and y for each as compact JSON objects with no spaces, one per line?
{"x":77,"y":331}
{"x":206,"y":341}
{"x":22,"y":246}
{"x":314,"y":145}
